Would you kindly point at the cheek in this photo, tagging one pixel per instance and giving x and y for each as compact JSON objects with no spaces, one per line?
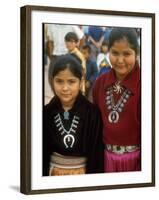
{"x":112,"y":59}
{"x":76,"y":88}
{"x":131,"y":61}
{"x":55,"y":87}
{"x":67,"y":44}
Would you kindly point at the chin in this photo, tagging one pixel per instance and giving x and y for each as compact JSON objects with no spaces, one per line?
{"x":66,"y":99}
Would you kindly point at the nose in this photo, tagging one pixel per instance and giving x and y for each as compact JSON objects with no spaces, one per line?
{"x":65,"y":87}
{"x":120,"y":59}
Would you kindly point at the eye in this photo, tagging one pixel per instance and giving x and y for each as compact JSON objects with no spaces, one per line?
{"x":72,"y":81}
{"x":57,"y":80}
{"x":127,"y":53}
{"x":114,"y":53}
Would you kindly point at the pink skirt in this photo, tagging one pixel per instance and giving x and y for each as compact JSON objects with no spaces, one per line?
{"x":130,"y":161}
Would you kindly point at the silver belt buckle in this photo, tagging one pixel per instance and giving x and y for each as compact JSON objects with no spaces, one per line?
{"x":131,"y":148}
{"x":119,"y":149}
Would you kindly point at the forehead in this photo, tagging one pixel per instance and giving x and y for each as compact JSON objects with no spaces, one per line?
{"x":71,"y":40}
{"x":65,"y":74}
{"x":121,"y":44}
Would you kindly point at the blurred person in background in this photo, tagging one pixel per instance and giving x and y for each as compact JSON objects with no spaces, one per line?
{"x":91,"y":71}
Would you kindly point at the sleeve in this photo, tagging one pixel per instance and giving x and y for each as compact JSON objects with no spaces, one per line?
{"x":46,"y":145}
{"x":139,"y":105}
{"x":100,"y":58}
{"x":95,"y":154}
{"x":95,"y":91}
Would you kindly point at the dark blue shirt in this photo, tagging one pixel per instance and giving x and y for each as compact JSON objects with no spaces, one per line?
{"x":95,"y":32}
{"x":91,"y":71}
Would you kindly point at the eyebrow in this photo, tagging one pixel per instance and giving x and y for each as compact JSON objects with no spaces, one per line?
{"x":126,"y":50}
{"x":72,"y":78}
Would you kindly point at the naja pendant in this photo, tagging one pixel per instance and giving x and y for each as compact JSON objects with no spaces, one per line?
{"x":113,"y":116}
{"x":68,"y":140}
{"x":66,"y":115}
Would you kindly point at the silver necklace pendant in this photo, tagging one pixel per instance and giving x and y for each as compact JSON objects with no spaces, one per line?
{"x":117,"y":88}
{"x":113,"y":116}
{"x":66,"y":115}
{"x":115,"y":109}
{"x":69,"y":138}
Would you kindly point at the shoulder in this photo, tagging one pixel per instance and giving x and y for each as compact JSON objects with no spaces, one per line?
{"x":89,"y":107}
{"x":51,"y":106}
{"x":101,"y":83}
{"x":79,"y":54}
{"x":103,"y":78}
{"x":100,"y":55}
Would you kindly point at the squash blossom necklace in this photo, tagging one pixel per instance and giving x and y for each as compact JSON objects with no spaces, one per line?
{"x":115,"y":109}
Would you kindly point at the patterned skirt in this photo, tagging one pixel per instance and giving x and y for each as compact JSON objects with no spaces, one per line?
{"x":122,"y":161}
{"x":66,"y":165}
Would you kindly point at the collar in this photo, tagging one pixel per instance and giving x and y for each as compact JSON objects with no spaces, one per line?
{"x":74,"y":50}
{"x":131,"y":80}
{"x":78,"y":109}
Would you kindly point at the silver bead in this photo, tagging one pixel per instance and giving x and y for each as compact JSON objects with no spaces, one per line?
{"x":120,"y":109}
{"x":109,"y":107}
{"x":121,"y":105}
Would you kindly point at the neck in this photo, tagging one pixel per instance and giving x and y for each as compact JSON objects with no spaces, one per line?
{"x":68,"y":106}
{"x":120,"y":78}
{"x":73,"y":50}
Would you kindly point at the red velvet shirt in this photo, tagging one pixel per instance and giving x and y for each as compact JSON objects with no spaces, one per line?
{"x":127,"y":131}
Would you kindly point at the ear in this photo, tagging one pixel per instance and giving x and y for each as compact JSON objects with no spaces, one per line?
{"x":82,"y":85}
{"x":51,"y":82}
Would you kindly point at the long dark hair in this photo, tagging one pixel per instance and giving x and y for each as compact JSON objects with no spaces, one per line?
{"x":63,"y":62}
{"x":129,"y":34}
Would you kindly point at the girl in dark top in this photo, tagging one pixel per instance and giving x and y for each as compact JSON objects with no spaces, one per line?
{"x":72,"y":127}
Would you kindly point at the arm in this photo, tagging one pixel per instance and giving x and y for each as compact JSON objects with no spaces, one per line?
{"x":100,"y":58}
{"x":95,"y":91}
{"x":94,"y":72}
{"x":95,"y":154}
{"x":98,"y":44}
{"x":46,"y":146}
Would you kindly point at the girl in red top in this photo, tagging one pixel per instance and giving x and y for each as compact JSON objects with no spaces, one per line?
{"x":118,"y":96}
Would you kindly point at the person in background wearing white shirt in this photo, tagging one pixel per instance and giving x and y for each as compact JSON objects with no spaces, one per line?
{"x":103,"y":63}
{"x":57,"y":32}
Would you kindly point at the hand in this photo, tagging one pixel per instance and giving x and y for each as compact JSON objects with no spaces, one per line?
{"x":98,"y":45}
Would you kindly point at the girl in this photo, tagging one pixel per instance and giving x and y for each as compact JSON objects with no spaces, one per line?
{"x":72,"y":134}
{"x":102,"y":59}
{"x":117,"y":94}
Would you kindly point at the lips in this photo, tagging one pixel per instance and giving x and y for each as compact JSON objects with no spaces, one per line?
{"x":65,"y":95}
{"x":120,"y":67}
